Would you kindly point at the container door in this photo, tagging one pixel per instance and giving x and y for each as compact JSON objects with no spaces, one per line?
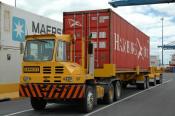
{"x":98,"y":27}
{"x":75,"y":24}
{"x":84,"y":24}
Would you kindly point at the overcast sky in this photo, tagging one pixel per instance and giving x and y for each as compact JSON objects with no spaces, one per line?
{"x":147,"y":18}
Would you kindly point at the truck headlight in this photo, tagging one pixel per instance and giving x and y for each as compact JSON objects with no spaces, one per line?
{"x":26,"y":79}
{"x":68,"y":79}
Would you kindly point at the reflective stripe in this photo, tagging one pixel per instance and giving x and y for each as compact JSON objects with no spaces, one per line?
{"x":70,"y":92}
{"x":32,"y":90}
{"x":52,"y":91}
{"x":76,"y":92}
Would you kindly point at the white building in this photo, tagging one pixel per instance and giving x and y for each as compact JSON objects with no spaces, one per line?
{"x":14,"y":25}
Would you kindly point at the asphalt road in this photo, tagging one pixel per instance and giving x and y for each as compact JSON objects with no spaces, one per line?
{"x":156,"y":101}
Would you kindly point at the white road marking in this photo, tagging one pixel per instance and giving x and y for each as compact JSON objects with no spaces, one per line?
{"x":12,"y":114}
{"x":18,"y":112}
{"x":126,"y":98}
{"x":22,"y":111}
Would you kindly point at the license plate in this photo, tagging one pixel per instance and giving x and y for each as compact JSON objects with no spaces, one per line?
{"x":31,"y":69}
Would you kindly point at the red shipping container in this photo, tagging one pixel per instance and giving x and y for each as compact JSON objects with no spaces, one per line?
{"x":115,"y":40}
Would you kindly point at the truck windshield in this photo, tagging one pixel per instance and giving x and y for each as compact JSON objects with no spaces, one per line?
{"x":39,"y":50}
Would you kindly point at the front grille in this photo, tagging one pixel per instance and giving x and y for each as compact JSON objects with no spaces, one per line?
{"x":57,"y":79}
{"x":47,"y":70}
{"x":46,"y":79}
{"x":59,"y":69}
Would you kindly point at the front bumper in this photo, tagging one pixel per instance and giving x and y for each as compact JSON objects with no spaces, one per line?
{"x":52,"y":91}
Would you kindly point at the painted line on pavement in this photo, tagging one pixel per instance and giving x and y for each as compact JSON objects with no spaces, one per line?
{"x":126,"y":98}
{"x":18,"y":112}
{"x":22,"y":111}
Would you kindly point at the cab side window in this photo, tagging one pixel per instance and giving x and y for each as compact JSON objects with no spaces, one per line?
{"x":61,"y":51}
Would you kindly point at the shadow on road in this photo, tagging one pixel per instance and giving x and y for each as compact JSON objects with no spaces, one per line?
{"x":60,"y":109}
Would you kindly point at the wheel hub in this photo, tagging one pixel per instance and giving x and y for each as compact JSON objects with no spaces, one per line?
{"x":90,"y":100}
{"x":118,"y":88}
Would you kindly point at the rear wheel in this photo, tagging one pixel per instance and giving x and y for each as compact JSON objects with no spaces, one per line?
{"x":154,"y":82}
{"x":109,"y":95}
{"x":160,"y":80}
{"x":143,"y":85}
{"x":147,"y":82}
{"x":38,"y":103}
{"x":117,"y":91}
{"x":88,"y":101}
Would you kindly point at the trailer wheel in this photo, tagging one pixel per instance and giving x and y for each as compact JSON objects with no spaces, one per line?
{"x":38,"y":104}
{"x":88,"y":101}
{"x":109,"y":95}
{"x":143,"y":85}
{"x":117,"y":91}
{"x":147,"y":82}
{"x":160,"y":80}
{"x":153,"y":83}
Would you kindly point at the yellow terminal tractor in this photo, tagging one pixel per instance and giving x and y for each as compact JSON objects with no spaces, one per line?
{"x":50,"y":75}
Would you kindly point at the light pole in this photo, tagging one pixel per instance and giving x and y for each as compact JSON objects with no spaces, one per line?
{"x":15,"y":3}
{"x":162,"y":39}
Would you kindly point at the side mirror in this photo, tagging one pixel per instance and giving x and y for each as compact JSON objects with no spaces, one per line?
{"x":21,"y":48}
{"x":90,"y":36}
{"x":90,"y":48}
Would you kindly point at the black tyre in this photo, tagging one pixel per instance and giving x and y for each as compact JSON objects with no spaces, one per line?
{"x":153,"y":83}
{"x":95,"y":96}
{"x":88,"y":101}
{"x":117,"y":91}
{"x":124,"y":84}
{"x":38,"y":103}
{"x":147,"y":82}
{"x":143,"y":85}
{"x":160,"y":81}
{"x":109,"y":95}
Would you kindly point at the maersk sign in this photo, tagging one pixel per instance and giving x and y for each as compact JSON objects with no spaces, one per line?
{"x":19,"y":31}
{"x":42,"y":28}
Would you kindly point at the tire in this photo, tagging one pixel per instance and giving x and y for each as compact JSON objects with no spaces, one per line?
{"x":124,"y":85}
{"x":143,"y":85}
{"x":160,"y":81}
{"x":153,"y":83}
{"x":147,"y":82}
{"x":117,"y":91}
{"x":88,"y":100}
{"x":109,"y":95}
{"x":38,"y":104}
{"x":95,"y":96}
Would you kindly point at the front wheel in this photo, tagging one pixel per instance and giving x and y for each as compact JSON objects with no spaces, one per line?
{"x":38,"y":103}
{"x":88,"y":101}
{"x":124,"y":84}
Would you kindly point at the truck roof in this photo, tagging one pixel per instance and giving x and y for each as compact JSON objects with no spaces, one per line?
{"x":63,"y":37}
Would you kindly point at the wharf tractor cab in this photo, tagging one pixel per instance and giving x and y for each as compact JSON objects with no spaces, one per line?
{"x":49,"y":73}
